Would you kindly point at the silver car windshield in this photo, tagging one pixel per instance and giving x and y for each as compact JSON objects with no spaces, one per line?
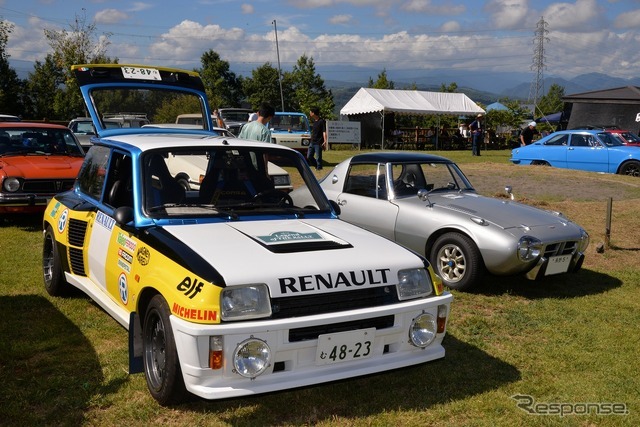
{"x":408,"y":178}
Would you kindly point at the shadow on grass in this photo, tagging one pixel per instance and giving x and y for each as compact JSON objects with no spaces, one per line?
{"x":26,"y":222}
{"x":584,"y":282}
{"x":465,"y":371}
{"x":48,"y":369}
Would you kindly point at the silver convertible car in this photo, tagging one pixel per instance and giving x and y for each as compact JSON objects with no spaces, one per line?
{"x":426,"y":203}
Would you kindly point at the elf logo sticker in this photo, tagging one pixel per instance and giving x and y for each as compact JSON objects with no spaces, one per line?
{"x":62,"y":221}
{"x":189,"y":287}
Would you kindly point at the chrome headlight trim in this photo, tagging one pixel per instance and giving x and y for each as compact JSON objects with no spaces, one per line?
{"x":11,"y":184}
{"x":423,"y":330}
{"x":251,"y":358}
{"x":245,"y":302}
{"x":529,"y":248}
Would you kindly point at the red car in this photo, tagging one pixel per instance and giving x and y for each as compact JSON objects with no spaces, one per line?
{"x":628,"y":138}
{"x":37,"y":161}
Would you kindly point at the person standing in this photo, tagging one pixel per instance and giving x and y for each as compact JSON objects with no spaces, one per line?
{"x":526,"y":136}
{"x":318,"y":138}
{"x":477,"y":134}
{"x":257,"y":130}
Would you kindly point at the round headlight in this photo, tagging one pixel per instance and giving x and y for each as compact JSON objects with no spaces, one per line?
{"x":11,"y":185}
{"x":529,"y":248}
{"x":251,"y":358}
{"x":423,"y":330}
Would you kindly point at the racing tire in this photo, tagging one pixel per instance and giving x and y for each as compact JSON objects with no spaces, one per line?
{"x":631,"y":168}
{"x":54,"y":282}
{"x":160,"y":356}
{"x":457,"y":260}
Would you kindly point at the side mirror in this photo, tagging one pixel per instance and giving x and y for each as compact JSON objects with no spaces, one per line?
{"x":123,"y":215}
{"x":335,"y":207}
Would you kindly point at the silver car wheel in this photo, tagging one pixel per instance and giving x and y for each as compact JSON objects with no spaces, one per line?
{"x":452,"y":263}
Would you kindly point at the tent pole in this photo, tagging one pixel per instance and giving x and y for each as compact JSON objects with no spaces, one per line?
{"x":437,"y":132}
{"x":382,"y":141}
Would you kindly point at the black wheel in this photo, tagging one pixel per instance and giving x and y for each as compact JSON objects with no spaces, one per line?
{"x":539,"y":163}
{"x":631,"y":168}
{"x":161,"y":364}
{"x":54,"y":281}
{"x":274,"y":196}
{"x":184,"y":183}
{"x":457,"y":261}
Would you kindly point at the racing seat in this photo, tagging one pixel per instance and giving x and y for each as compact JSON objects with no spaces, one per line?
{"x":161,"y":187}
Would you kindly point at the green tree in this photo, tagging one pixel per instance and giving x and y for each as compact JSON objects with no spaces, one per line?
{"x":43,"y":86}
{"x":552,"y":101}
{"x":383,"y":82}
{"x":11,"y":87}
{"x":78,"y":45}
{"x":450,"y":88}
{"x":308,"y":89}
{"x":223,"y":87}
{"x":263,"y":86}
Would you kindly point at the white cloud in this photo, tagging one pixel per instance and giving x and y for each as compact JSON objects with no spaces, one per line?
{"x":629,"y":19}
{"x":138,"y":6}
{"x":340,"y":19}
{"x":450,"y":27}
{"x":110,"y":16}
{"x":572,"y":16}
{"x":247,"y":9}
{"x":507,"y":13}
{"x":427,"y":6}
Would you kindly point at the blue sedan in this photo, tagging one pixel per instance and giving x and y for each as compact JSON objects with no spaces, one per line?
{"x":590,"y":150}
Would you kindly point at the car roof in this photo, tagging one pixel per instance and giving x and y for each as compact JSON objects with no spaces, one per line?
{"x":39,"y":125}
{"x":158,"y":140}
{"x":397,"y":157}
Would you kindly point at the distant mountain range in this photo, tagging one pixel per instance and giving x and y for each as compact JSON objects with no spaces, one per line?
{"x":485,"y":88}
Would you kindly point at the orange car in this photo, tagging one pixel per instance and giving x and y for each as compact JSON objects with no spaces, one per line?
{"x":37,"y":161}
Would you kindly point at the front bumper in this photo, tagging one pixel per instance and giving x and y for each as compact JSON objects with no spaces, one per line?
{"x":293,"y":363}
{"x":540,"y":269}
{"x":10,"y":202}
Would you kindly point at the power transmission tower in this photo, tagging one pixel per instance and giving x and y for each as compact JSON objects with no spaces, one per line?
{"x":537,"y":85}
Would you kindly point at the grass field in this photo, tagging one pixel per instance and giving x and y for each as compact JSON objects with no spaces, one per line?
{"x":518,"y":352}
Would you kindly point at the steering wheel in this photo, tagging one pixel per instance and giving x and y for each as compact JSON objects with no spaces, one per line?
{"x":274,"y":195}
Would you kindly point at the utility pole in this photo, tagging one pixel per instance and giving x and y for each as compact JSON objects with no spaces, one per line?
{"x":275,"y":27}
{"x":537,"y":85}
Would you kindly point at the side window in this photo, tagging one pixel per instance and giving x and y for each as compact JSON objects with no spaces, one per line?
{"x":558,"y":140}
{"x":93,"y":172}
{"x":119,"y":186}
{"x":367,"y":180}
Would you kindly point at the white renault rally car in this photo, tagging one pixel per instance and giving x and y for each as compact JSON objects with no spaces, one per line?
{"x":230,"y":289}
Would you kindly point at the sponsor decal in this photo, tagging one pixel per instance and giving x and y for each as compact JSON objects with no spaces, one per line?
{"x":316,"y":282}
{"x":289,"y":236}
{"x":126,"y":242}
{"x":54,"y":211}
{"x":143,"y":255}
{"x":125,"y":255}
{"x":123,"y":265}
{"x":105,"y":220}
{"x":123,"y":288}
{"x":62,"y":221}
{"x":193,"y":313}
{"x":189,"y":287}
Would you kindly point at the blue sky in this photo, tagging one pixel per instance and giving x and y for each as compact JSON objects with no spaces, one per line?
{"x":415,"y":36}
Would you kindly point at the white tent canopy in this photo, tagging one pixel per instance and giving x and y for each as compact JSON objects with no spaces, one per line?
{"x":411,"y":102}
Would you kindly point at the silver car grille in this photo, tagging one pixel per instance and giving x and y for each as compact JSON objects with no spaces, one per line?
{"x":560,"y":248}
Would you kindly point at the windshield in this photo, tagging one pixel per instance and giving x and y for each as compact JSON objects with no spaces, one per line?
{"x":408,"y":178}
{"x":611,"y":139}
{"x":38,"y":141}
{"x":235,"y":116}
{"x":631,"y":137}
{"x":137,"y":107}
{"x":289,"y":123}
{"x":228,"y":182}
